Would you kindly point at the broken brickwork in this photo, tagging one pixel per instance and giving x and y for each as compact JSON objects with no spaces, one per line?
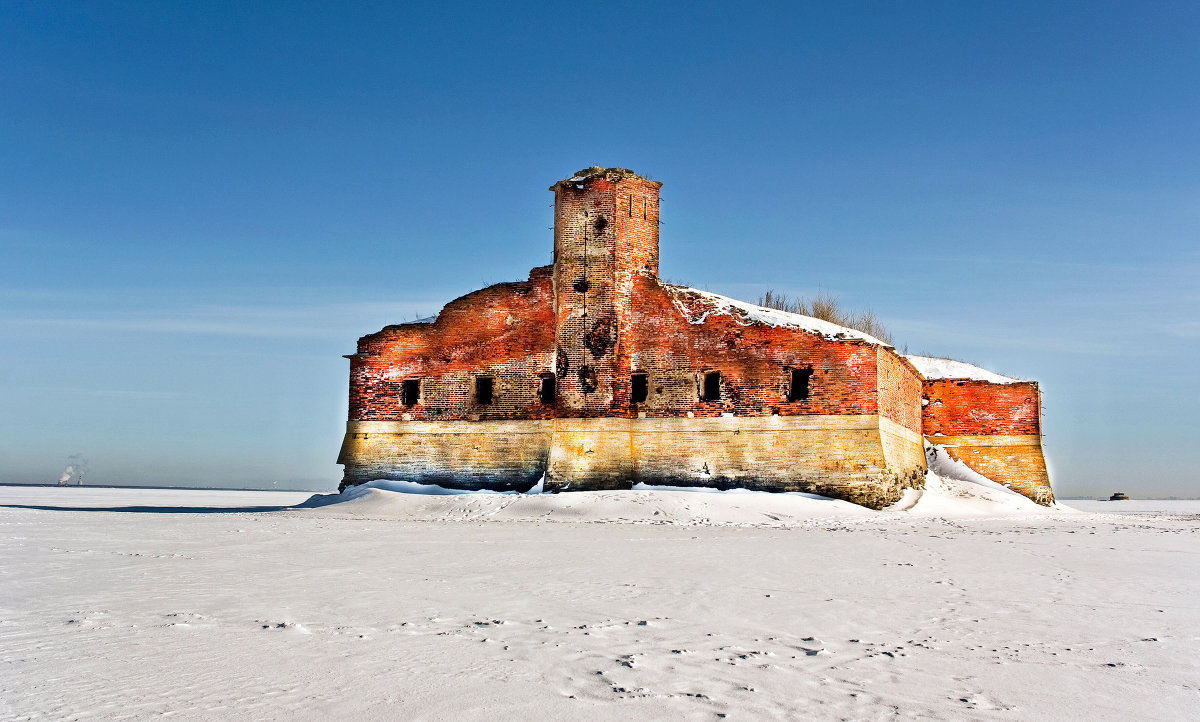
{"x":504,"y":332}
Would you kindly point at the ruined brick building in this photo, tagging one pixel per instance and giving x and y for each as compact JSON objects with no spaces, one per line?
{"x":595,"y":374}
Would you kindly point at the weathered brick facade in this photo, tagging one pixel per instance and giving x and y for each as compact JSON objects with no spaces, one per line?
{"x":504,"y":332}
{"x":595,"y":374}
{"x":962,"y":407}
{"x":994,"y":428}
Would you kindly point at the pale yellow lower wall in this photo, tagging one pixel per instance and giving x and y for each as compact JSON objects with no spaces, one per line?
{"x":902,"y":447}
{"x":865,"y":459}
{"x":1016,"y":461}
{"x":500,"y":455}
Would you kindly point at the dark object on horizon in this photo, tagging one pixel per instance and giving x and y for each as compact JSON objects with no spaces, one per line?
{"x":1119,"y":496}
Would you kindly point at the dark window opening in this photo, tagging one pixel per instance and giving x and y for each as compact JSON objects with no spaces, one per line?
{"x":484,"y":387}
{"x":798,"y":387}
{"x":546,"y":390}
{"x":712,"y":386}
{"x":639,"y":388}
{"x":410,"y":392}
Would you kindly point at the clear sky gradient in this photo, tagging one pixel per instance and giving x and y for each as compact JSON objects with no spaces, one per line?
{"x":203,"y":206}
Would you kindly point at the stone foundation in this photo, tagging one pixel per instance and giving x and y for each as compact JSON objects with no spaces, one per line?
{"x":864,"y":459}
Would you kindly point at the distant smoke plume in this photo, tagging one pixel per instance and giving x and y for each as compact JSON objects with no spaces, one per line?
{"x":76,"y":465}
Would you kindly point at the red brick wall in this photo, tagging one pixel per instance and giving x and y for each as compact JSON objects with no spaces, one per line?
{"x":505,"y":331}
{"x":753,"y":361}
{"x":967,"y":408}
{"x":899,"y":390}
{"x":599,"y":314}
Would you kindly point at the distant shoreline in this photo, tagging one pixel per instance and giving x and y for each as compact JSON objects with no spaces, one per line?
{"x":1132,"y":498}
{"x":185,"y":488}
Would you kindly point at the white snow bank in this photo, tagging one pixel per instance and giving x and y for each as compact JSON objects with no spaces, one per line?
{"x":934,"y":368}
{"x":642,"y":504}
{"x":950,"y":492}
{"x":946,"y":496}
{"x":406,"y":487}
{"x":940,"y":463}
{"x":954,"y":489}
{"x":697,"y":306}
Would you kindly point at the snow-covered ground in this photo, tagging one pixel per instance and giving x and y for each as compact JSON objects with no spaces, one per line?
{"x":964,"y":602}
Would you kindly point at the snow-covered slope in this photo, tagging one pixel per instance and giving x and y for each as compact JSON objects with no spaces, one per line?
{"x":639,"y":506}
{"x":697,"y":306}
{"x":934,"y":368}
{"x":949,"y":492}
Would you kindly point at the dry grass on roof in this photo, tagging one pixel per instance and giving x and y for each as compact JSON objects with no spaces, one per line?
{"x":827,"y":308}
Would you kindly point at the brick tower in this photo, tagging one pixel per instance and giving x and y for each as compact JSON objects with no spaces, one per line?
{"x":605,"y":234}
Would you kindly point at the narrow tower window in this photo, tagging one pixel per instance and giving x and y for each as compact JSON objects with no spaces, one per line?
{"x":410,"y":392}
{"x":798,"y":384}
{"x":712,"y":386}
{"x":639,"y":384}
{"x":484,"y":385}
{"x":546,"y":391}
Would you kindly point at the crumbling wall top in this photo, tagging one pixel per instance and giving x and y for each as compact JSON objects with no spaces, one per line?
{"x":609,"y":174}
{"x":697,"y":306}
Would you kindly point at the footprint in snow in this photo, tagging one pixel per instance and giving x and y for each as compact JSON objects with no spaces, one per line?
{"x":283,"y":626}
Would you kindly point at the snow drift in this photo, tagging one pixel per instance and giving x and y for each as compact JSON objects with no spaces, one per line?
{"x":951,"y":490}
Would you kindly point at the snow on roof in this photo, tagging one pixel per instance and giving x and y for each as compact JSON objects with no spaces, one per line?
{"x":934,"y":368}
{"x":697,"y":306}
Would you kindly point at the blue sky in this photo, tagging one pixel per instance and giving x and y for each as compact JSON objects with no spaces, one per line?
{"x":202,"y":208}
